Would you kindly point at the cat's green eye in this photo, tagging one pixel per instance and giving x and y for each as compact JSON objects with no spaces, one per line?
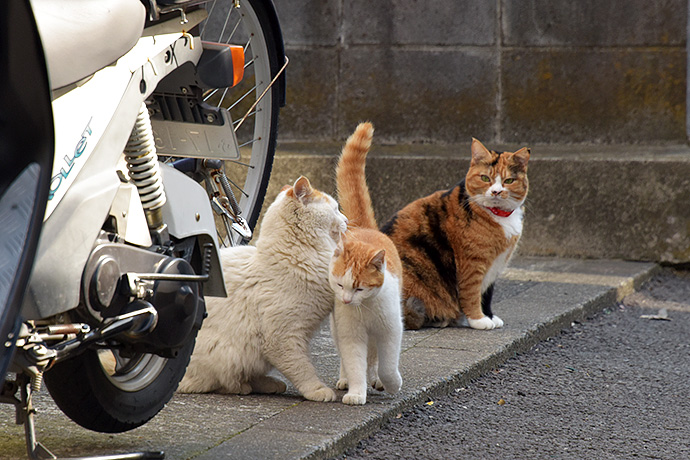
{"x":509,"y":181}
{"x":485,"y":178}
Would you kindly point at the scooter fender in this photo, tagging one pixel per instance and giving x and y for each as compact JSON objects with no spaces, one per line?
{"x":187,"y":212}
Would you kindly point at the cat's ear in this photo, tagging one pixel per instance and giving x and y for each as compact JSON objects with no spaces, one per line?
{"x":378,"y":259}
{"x":480,"y":154}
{"x":521,"y":157}
{"x":302,"y":188}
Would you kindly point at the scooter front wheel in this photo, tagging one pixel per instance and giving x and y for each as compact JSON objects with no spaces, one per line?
{"x":104,"y":391}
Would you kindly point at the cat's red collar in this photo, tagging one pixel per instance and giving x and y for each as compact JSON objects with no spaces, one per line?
{"x":500,"y":212}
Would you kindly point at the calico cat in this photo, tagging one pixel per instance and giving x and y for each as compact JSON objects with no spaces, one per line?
{"x":455,"y":243}
{"x":365,"y":274}
{"x":278,"y":296}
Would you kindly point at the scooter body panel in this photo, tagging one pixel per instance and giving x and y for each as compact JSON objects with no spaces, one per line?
{"x":93,"y":124}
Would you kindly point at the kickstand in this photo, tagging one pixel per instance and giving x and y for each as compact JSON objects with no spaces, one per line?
{"x":25,"y":415}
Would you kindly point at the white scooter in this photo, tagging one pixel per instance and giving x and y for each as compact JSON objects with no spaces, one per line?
{"x":165,"y":118}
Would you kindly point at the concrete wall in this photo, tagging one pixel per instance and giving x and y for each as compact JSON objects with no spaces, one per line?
{"x":504,"y":71}
{"x":604,"y":202}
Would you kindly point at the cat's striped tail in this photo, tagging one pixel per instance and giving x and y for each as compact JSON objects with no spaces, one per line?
{"x":353,"y":193}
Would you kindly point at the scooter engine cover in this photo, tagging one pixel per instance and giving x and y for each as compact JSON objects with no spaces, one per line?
{"x":180,"y":307}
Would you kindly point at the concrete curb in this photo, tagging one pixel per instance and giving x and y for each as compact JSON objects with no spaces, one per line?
{"x":532,"y":336}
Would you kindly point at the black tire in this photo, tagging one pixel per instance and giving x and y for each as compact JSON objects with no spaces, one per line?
{"x":86,"y":393}
{"x":26,"y":156}
{"x":250,"y":26}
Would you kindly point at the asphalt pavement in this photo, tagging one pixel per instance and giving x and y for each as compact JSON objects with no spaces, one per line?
{"x":612,"y":387}
{"x":537,"y":298}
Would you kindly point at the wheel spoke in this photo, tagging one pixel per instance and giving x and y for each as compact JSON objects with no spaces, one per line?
{"x":248,"y":63}
{"x":251,"y":114}
{"x":209,"y":95}
{"x":222,"y":98}
{"x":225,"y":25}
{"x":242,"y":164}
{"x":243,"y":96}
{"x":210,"y":12}
{"x":248,"y":143}
{"x":238,"y":188}
{"x":232,"y":34}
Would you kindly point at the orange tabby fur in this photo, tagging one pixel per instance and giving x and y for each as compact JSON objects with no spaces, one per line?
{"x":363,"y":241}
{"x":452,"y":248}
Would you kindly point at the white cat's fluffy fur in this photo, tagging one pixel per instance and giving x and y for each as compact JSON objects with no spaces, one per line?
{"x":278,"y":296}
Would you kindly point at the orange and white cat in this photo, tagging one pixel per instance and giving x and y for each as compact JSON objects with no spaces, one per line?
{"x":455,"y":243}
{"x":365,"y":274}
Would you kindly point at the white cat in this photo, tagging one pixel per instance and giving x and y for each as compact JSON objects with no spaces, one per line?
{"x":278,"y":296}
{"x":365,"y":274}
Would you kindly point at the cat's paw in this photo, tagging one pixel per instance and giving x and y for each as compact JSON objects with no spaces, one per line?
{"x":323,"y":394}
{"x":498,"y":322}
{"x":393,"y":384}
{"x":354,"y":399}
{"x":377,"y":385}
{"x":235,"y":388}
{"x":341,"y":384}
{"x":481,"y":323}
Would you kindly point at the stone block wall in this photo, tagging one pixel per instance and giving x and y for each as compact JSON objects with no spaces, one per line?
{"x":504,"y":71}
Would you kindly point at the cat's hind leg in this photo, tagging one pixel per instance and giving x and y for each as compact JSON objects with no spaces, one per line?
{"x":235,"y":388}
{"x":267,"y":385}
{"x":373,"y":366}
{"x":197,"y":384}
{"x":481,"y":323}
{"x":199,"y":377}
{"x":342,"y":380}
{"x":414,"y":312}
{"x":389,"y":344}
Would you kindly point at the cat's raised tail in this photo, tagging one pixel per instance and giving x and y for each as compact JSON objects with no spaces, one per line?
{"x":353,"y":193}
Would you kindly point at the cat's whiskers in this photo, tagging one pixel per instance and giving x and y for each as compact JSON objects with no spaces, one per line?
{"x":359,"y":310}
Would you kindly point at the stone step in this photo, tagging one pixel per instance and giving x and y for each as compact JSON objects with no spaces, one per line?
{"x":604,"y":201}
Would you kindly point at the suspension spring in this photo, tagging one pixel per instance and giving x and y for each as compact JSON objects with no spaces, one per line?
{"x":142,"y":163}
{"x":36,"y":382}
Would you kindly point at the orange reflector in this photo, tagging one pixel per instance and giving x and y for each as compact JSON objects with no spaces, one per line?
{"x":237,"y":63}
{"x":221,"y":49}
